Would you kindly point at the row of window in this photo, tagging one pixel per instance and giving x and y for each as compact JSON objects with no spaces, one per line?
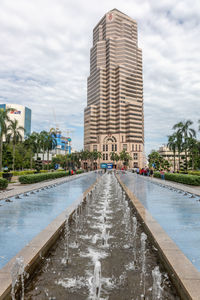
{"x":106,"y":156}
{"x":114,"y":148}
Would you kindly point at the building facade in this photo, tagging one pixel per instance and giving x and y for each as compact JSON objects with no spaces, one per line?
{"x":22,"y":114}
{"x":63,"y":144}
{"x":167,"y":154}
{"x":113,"y":118}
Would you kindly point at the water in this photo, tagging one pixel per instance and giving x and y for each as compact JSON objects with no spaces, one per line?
{"x":17,"y":275}
{"x":176,"y":211}
{"x":102,"y":266}
{"x":97,"y":281}
{"x":157,"y":282}
{"x":24,"y":218}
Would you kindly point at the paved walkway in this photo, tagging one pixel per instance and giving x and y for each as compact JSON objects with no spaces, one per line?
{"x":184,"y":187}
{"x":14,"y":189}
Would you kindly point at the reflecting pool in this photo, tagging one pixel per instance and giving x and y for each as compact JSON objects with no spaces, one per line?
{"x":176,"y":211}
{"x":22,"y":219}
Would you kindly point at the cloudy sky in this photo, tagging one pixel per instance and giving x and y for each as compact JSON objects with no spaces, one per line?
{"x":44,"y":60}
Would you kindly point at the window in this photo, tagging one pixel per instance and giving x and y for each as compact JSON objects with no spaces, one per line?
{"x":106,"y":147}
{"x":94,"y":147}
{"x":103,"y":156}
{"x":115,"y":147}
{"x":135,"y":156}
{"x":125,"y":147}
{"x":122,"y":138}
{"x":135,"y":147}
{"x":140,"y":148}
{"x":106,"y":156}
{"x":103,"y":147}
{"x":112,"y":147}
{"x":132,"y":147}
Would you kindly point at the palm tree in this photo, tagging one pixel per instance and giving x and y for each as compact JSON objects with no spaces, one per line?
{"x":172,"y":146}
{"x":95,"y":155}
{"x":125,"y":157}
{"x":51,"y":143}
{"x":14,"y":135}
{"x":30,"y":143}
{"x":114,"y":157}
{"x":84,"y":156}
{"x":183,"y":128}
{"x":193,"y":149}
{"x":4,"y":119}
{"x":43,"y":144}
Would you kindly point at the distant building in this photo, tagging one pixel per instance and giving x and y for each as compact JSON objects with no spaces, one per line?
{"x":167,"y":154}
{"x":113,"y":118}
{"x":22,"y":114}
{"x":63,"y":144}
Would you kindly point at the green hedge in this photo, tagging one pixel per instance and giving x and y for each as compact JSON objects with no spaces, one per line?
{"x":26,"y":179}
{"x":157,"y":175}
{"x":3,"y":183}
{"x":183,"y":178}
{"x":79,"y":171}
{"x":197,"y":173}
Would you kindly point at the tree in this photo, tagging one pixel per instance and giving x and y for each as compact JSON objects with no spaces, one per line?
{"x":183,"y":128}
{"x":172,"y":146}
{"x":4,"y":118}
{"x":84,"y":156}
{"x":125,"y":157}
{"x":95,"y":155}
{"x":43,"y":144}
{"x":14,"y":135}
{"x":194,"y":151}
{"x":51,"y":143}
{"x":155,"y":159}
{"x":31,"y":144}
{"x":114,"y":157}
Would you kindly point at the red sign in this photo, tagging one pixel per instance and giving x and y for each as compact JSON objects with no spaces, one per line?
{"x":110,"y":17}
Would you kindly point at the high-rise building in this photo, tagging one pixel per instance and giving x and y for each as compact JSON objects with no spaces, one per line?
{"x":22,"y":114}
{"x":113,"y":118}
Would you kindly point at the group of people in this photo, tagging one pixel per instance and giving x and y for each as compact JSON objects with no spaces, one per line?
{"x":145,"y":171}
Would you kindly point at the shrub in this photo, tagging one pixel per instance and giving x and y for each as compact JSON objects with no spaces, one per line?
{"x":27,"y":179}
{"x":79,"y":171}
{"x":157,"y":175}
{"x":3,"y":183}
{"x":186,"y":179}
{"x":44,"y":171}
{"x":197,"y":173}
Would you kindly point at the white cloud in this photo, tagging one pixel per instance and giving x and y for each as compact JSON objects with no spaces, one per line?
{"x":44,"y":60}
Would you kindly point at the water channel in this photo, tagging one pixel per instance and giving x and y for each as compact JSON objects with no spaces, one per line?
{"x":176,"y":211}
{"x":102,"y":254}
{"x":28,"y":214}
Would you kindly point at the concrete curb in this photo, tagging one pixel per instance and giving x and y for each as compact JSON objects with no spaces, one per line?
{"x":183,"y":274}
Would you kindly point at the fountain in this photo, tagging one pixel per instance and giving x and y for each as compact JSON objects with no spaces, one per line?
{"x":97,"y":281}
{"x":99,"y":270}
{"x":17,"y":275}
{"x":65,"y":260}
{"x":143,"y":263}
{"x":157,"y":281}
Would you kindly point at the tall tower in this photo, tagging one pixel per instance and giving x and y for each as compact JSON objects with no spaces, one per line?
{"x":113,"y":118}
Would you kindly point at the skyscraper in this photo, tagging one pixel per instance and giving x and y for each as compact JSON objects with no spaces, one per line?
{"x":113,"y":118}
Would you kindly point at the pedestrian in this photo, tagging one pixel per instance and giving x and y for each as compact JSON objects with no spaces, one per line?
{"x":151,"y":173}
{"x":162,"y":174}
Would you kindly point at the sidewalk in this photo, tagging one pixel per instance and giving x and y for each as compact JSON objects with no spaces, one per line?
{"x":184,"y":187}
{"x":15,"y":189}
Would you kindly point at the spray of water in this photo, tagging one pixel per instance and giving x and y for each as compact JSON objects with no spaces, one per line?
{"x":97,"y":281}
{"x":17,"y":274}
{"x":143,"y":261}
{"x":157,"y":281}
